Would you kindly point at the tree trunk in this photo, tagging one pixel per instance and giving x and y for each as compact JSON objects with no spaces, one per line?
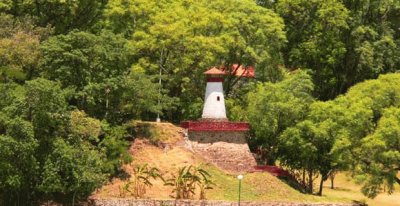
{"x":321,"y":184}
{"x":332,"y":177}
{"x":310,"y":182}
{"x":397,"y":180}
{"x":73,"y":198}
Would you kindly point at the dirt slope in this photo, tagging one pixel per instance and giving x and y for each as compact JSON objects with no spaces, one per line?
{"x":172,"y":152}
{"x":163,"y":146}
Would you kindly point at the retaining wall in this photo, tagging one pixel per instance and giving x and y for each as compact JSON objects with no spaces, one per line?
{"x":226,"y":150}
{"x":134,"y":202}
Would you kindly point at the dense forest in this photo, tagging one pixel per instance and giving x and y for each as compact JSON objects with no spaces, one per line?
{"x":326,"y":96}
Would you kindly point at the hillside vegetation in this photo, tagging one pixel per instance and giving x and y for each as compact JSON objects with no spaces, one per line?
{"x":171,"y":152}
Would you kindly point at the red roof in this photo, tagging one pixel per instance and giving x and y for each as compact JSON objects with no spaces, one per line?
{"x":214,"y":71}
{"x":248,"y":71}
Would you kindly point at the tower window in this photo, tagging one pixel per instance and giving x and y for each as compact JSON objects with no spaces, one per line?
{"x":217,"y":98}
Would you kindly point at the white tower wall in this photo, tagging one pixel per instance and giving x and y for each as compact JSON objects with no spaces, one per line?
{"x":214,"y":105}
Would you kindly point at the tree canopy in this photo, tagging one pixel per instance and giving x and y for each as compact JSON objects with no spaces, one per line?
{"x":72,"y":73}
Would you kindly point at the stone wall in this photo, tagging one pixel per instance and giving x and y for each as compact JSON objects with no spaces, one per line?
{"x":218,"y":136}
{"x":134,"y":202}
{"x":226,"y":150}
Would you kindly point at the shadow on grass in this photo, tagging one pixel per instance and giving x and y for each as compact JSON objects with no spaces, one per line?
{"x":360,"y":203}
{"x":340,"y":189}
{"x":293,"y":183}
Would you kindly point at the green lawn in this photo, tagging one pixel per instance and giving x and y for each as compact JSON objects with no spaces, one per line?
{"x":264,"y":187}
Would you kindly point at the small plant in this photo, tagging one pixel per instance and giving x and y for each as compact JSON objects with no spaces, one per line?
{"x":186,"y":181}
{"x":140,"y":181}
{"x":204,"y":185}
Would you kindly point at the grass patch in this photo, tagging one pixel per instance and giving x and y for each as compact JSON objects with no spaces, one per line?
{"x":258,"y":187}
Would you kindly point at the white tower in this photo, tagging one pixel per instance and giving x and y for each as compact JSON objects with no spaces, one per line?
{"x":214,"y":102}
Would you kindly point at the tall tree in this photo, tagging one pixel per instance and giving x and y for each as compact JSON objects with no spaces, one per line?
{"x":307,"y":146}
{"x":314,"y":30}
{"x":273,"y":107}
{"x":343,"y":41}
{"x":380,"y":154}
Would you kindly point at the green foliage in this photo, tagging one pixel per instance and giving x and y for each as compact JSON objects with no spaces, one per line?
{"x":186,"y":181}
{"x":19,"y":48}
{"x":380,"y":154}
{"x":145,"y":130}
{"x":61,"y":155}
{"x":46,"y":106}
{"x":73,"y":72}
{"x":84,"y":127}
{"x":63,"y":15}
{"x":218,"y":33}
{"x":5,"y":5}
{"x":115,"y":148}
{"x":342,"y":41}
{"x":18,"y":164}
{"x":72,"y":170}
{"x":78,"y":59}
{"x":353,"y":124}
{"x":96,"y":70}
{"x":274,"y":107}
{"x":309,"y":146}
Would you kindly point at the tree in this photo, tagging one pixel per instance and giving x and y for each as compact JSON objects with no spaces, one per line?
{"x":96,"y":71}
{"x":62,"y":155}
{"x":46,"y":107}
{"x":343,"y":41}
{"x":79,"y":59}
{"x":380,"y":154}
{"x":361,"y":116}
{"x":71,"y":171}
{"x":115,"y":146}
{"x":316,"y":146}
{"x":273,"y":107}
{"x":18,"y":163}
{"x":83,"y":127}
{"x":218,"y":33}
{"x":20,"y":48}
{"x":64,"y":16}
{"x":314,"y":30}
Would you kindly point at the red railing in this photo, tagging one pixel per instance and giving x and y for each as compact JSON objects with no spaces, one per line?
{"x":215,"y":126}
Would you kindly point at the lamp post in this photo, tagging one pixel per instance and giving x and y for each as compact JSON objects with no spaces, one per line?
{"x":240,"y":177}
{"x":159,"y":97}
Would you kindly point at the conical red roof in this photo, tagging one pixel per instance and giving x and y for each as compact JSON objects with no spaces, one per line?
{"x":214,"y":71}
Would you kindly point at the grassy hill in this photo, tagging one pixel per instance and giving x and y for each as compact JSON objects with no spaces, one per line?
{"x":162,"y":145}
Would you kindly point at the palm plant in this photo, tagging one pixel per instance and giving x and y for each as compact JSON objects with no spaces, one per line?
{"x":140,"y":180}
{"x":187,"y":179}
